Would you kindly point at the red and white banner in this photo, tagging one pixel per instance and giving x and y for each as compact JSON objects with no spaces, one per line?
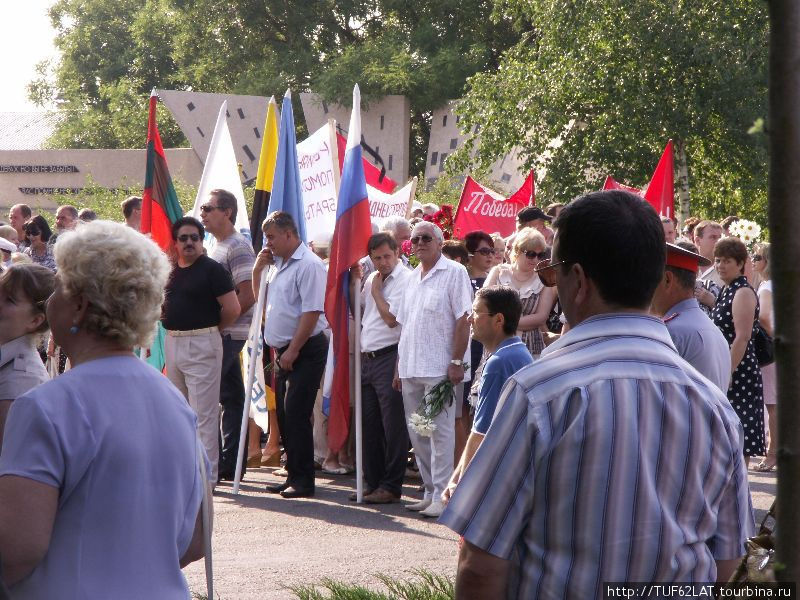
{"x":483,"y":209}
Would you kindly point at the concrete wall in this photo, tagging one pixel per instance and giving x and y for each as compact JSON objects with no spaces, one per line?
{"x":30,"y":176}
{"x":505,"y":174}
{"x":385,"y":125}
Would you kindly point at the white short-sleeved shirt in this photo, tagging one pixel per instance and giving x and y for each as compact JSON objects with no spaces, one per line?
{"x":21,"y":368}
{"x":375,"y":333}
{"x":296,"y":286}
{"x":129,"y":484}
{"x":428,"y":314}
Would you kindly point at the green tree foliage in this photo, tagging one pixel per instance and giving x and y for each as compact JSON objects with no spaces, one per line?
{"x":612,"y":80}
{"x":115,"y":51}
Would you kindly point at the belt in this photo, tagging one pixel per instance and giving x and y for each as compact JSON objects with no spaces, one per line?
{"x":381,"y":352}
{"x":188,"y":332}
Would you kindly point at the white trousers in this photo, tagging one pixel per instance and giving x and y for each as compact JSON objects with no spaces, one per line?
{"x":194,"y":366}
{"x":434,"y":454}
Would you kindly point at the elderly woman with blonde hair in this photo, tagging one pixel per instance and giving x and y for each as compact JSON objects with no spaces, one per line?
{"x":101,"y":471}
{"x":527,"y":251}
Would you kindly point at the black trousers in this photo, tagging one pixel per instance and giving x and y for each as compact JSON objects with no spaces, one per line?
{"x":384,"y":434}
{"x":295,"y":396}
{"x":231,"y":397}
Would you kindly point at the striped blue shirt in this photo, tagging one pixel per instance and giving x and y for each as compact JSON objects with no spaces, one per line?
{"x":610,"y":459}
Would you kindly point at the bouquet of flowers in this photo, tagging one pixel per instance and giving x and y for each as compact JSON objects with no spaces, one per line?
{"x":433,"y":403}
{"x":406,"y":249}
{"x":747,"y":231}
{"x":443,"y":218}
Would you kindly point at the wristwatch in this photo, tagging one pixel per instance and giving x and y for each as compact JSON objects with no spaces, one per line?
{"x":457,"y":362}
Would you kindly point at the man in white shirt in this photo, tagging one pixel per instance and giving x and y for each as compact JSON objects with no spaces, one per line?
{"x":433,"y":342}
{"x":706,"y":236}
{"x":384,"y":423}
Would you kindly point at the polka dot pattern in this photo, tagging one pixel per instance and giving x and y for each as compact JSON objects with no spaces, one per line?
{"x":746,"y":390}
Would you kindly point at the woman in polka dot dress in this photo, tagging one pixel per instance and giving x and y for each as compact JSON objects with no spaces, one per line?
{"x":735,"y":312}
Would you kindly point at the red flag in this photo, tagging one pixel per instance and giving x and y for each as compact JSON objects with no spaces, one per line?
{"x":660,"y":192}
{"x":160,"y":207}
{"x":483,"y":209}
{"x":612,"y":184}
{"x":526,"y":195}
{"x":371,"y":172}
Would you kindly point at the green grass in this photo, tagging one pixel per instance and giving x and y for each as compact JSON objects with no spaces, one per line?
{"x":424,"y":586}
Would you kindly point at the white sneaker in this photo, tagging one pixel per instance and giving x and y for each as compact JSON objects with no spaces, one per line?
{"x":421,"y":505}
{"x":434,"y":510}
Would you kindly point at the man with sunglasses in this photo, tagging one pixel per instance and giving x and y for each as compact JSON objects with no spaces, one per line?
{"x":234,"y":252}
{"x":608,"y":459}
{"x":434,"y":319}
{"x":199,"y":302}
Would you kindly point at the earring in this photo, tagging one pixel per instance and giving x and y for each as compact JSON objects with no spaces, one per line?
{"x":73,"y":330}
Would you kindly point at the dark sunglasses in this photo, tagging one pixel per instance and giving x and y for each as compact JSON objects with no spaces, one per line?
{"x":209,"y":207}
{"x":195,"y":237}
{"x":425,"y":239}
{"x":485,"y":251}
{"x":540,"y":255}
{"x":33,"y":232}
{"x":757,"y":258}
{"x":546,"y":271}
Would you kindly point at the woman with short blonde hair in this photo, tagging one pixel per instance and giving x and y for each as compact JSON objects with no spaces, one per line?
{"x":104,"y":460}
{"x":527,"y":250}
{"x":762,"y":266}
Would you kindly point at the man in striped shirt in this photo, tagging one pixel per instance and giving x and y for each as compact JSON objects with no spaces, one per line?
{"x":610,"y":459}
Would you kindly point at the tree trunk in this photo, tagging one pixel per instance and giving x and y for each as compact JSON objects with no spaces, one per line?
{"x":784,"y":220}
{"x":683,"y":182}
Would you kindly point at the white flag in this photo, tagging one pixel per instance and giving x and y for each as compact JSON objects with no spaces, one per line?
{"x":221,"y":171}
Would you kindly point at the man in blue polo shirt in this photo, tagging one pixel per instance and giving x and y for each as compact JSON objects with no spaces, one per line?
{"x":495,"y":316}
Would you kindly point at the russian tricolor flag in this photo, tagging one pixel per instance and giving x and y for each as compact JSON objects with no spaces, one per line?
{"x":348,"y":245}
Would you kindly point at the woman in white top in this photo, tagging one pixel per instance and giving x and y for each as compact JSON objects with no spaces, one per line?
{"x":529,"y":248}
{"x":761,"y":266}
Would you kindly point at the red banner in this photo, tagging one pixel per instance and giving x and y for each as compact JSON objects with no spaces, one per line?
{"x":613,"y":184}
{"x":661,"y":189}
{"x":483,"y":209}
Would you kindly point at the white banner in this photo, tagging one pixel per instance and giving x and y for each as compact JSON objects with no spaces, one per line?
{"x":317,"y":162}
{"x":383,"y":205}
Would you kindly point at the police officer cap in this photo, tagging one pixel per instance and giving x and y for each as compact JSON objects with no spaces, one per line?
{"x":681,"y":258}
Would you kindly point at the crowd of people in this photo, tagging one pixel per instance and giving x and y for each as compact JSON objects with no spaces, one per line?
{"x":581,"y":399}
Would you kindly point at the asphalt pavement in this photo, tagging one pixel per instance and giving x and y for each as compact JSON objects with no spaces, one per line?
{"x":264,"y":544}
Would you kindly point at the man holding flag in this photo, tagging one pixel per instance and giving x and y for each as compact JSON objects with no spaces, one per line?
{"x":294,"y":327}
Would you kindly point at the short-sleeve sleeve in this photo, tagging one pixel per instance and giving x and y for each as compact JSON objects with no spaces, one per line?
{"x":241,"y":259}
{"x":311,"y":282}
{"x":221,"y":281}
{"x":461,"y":299}
{"x":491,"y":385}
{"x":31,"y":445}
{"x":504,"y":461}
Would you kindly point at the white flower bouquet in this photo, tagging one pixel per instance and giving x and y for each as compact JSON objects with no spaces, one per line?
{"x":747,"y":231}
{"x":432,"y":404}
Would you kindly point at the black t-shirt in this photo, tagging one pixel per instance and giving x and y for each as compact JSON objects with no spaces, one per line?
{"x":191,"y":295}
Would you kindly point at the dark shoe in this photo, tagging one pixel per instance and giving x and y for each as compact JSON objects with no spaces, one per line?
{"x":354,"y":496}
{"x":277,"y":488}
{"x":292,"y":492}
{"x":230,"y":474}
{"x":381,"y":496}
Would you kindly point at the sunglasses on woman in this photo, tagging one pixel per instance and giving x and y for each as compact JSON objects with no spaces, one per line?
{"x":757,"y":258}
{"x":485,"y":251}
{"x":534,"y":255}
{"x":33,"y":232}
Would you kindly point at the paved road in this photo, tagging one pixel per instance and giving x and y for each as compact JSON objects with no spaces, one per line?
{"x":263,"y":544}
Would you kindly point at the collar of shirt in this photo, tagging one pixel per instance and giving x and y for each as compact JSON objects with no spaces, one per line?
{"x":397,"y":268}
{"x":513,"y":340}
{"x":10,"y":350}
{"x":441,"y":264}
{"x":614,"y":325}
{"x":296,"y":255}
{"x":684,"y":305}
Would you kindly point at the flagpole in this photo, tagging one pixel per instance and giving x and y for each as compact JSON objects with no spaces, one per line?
{"x":255,"y":344}
{"x":359,"y":433}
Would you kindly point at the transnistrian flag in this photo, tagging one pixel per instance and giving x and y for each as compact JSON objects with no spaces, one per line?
{"x":266,"y":172}
{"x":160,"y":207}
{"x":348,"y":245}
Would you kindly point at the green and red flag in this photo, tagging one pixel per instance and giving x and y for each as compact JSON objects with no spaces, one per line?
{"x":160,"y":207}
